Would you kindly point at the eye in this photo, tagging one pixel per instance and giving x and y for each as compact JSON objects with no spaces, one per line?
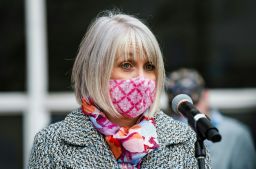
{"x":149,"y":67}
{"x":126,"y":65}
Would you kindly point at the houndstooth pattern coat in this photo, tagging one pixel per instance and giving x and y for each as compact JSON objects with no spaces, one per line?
{"x":74,"y":143}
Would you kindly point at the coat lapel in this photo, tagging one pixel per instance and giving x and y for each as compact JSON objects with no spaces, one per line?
{"x":170,"y":131}
{"x":172,"y":136}
{"x":88,"y":147}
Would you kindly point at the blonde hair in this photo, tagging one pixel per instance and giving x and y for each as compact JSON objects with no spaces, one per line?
{"x":108,"y":35}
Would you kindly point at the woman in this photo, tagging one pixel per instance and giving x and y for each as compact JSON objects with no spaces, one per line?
{"x":118,"y":76}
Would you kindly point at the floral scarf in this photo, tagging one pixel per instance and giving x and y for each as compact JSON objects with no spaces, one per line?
{"x":128,"y":145}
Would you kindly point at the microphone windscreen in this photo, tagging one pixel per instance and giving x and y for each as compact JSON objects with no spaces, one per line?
{"x":179,"y":99}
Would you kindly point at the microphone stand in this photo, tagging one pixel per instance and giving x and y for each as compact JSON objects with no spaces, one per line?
{"x":199,"y":123}
{"x":211,"y":134}
{"x":200,"y":150}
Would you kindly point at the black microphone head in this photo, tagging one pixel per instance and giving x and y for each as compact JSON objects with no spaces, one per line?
{"x":213,"y":135}
{"x":179,"y":99}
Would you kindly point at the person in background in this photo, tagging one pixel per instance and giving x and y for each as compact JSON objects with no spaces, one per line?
{"x":118,"y":76}
{"x":236,"y":149}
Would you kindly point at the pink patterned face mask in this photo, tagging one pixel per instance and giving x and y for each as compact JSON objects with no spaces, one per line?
{"x":132,"y":97}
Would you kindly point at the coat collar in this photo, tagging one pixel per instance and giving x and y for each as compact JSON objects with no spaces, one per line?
{"x":170,"y":131}
{"x":78,"y":130}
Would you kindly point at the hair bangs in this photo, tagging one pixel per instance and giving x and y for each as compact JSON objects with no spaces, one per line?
{"x":135,"y":45}
{"x":146,"y":47}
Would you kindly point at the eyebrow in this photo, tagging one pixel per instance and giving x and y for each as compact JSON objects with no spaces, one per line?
{"x":122,"y":59}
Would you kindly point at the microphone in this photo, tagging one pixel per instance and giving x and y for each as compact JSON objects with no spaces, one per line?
{"x":198,"y":121}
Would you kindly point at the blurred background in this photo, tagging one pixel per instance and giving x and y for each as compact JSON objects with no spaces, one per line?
{"x":39,"y":40}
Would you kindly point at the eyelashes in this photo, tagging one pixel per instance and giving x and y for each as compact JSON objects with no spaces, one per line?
{"x":149,"y":66}
{"x":130,"y":65}
{"x":126,"y":65}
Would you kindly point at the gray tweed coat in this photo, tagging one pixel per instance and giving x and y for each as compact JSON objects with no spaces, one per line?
{"x":74,"y":143}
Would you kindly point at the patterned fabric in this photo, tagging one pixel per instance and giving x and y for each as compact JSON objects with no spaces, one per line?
{"x":132,"y":97}
{"x":129,"y":145}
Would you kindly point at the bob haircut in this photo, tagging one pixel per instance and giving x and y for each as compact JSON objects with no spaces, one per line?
{"x":112,"y":34}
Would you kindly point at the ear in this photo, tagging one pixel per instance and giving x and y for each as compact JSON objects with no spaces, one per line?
{"x":204,"y":102}
{"x":205,"y":94}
